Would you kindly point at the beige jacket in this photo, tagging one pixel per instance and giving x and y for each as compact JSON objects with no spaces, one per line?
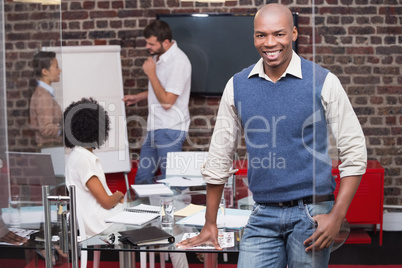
{"x":46,"y":118}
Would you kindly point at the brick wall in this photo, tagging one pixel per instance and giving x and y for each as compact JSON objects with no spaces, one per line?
{"x":358,"y":40}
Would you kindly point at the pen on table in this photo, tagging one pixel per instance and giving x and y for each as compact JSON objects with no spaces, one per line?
{"x":184,"y":178}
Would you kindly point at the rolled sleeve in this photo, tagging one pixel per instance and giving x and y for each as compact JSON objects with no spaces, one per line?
{"x":345,"y":127}
{"x":218,"y":166}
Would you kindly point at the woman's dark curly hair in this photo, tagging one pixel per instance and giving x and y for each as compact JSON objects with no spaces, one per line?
{"x":86,"y":124}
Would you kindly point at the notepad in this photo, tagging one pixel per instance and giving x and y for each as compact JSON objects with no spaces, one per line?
{"x":142,"y":208}
{"x":151,"y":189}
{"x":137,"y":215}
{"x":189,"y":210}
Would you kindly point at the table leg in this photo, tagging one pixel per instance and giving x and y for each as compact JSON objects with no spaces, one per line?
{"x":151,"y":259}
{"x":133,"y":263}
{"x":125,"y":259}
{"x":211,"y":260}
{"x":143,"y":259}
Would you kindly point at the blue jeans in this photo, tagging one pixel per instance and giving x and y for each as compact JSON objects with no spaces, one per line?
{"x":274,"y":237}
{"x":154,"y":150}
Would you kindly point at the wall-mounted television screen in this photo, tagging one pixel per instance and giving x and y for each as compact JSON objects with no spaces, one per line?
{"x":218,"y":46}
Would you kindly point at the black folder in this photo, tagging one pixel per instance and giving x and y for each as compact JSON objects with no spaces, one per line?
{"x":146,"y":236}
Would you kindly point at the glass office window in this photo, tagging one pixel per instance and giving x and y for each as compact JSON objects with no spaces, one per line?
{"x":31,"y":142}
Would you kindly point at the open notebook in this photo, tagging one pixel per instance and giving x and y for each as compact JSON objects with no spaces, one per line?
{"x":137,"y":215}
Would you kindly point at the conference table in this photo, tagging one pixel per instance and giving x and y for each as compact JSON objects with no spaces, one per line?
{"x":237,"y":196}
{"x":108,"y":239}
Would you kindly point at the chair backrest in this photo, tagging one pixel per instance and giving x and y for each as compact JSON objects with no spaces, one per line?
{"x":185,"y":163}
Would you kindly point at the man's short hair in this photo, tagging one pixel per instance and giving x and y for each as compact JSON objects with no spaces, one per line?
{"x":159,"y":29}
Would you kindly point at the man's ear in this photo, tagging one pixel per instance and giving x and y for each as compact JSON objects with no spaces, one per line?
{"x":295,"y":33}
{"x":165,"y":43}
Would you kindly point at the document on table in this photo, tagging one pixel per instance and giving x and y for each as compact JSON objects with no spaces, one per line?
{"x":151,"y":189}
{"x":21,"y":232}
{"x":189,"y":210}
{"x":232,"y":218}
{"x":178,"y":181}
{"x":225,"y":240}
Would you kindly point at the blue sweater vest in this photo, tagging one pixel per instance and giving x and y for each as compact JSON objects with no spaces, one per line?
{"x":286,"y":134}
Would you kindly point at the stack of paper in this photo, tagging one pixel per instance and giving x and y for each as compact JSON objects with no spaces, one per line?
{"x":189,"y":210}
{"x":151,"y":189}
{"x":128,"y":217}
{"x":232,"y":218}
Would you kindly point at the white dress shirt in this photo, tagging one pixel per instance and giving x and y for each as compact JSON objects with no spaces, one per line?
{"x":82,"y":165}
{"x":173,"y":70}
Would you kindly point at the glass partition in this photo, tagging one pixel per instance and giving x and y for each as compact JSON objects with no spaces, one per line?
{"x":31,"y":137}
{"x":34,"y":108}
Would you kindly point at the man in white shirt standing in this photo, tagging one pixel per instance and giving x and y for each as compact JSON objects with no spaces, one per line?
{"x":169,"y":73}
{"x":285,"y":104}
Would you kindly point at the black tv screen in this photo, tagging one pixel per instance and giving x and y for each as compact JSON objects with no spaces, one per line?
{"x":218,"y":46}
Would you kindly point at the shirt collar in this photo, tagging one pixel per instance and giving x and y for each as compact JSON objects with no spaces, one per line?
{"x":87,"y":153}
{"x":46,"y":86}
{"x":165,"y":56}
{"x":294,"y":68}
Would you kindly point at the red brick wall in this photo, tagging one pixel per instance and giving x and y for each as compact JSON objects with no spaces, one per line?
{"x":358,"y":40}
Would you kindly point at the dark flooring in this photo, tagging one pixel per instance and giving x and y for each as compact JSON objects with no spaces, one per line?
{"x":371,"y":254}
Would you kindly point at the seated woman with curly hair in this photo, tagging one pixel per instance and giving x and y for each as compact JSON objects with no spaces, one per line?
{"x":86,"y":127}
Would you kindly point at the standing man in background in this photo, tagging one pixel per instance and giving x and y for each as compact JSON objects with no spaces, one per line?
{"x":169,"y":73}
{"x":285,"y":104}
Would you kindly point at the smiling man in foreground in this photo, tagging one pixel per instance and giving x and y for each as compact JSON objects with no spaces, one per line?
{"x":286,"y":105}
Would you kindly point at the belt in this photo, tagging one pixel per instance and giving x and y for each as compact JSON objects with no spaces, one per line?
{"x":306,"y":200}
